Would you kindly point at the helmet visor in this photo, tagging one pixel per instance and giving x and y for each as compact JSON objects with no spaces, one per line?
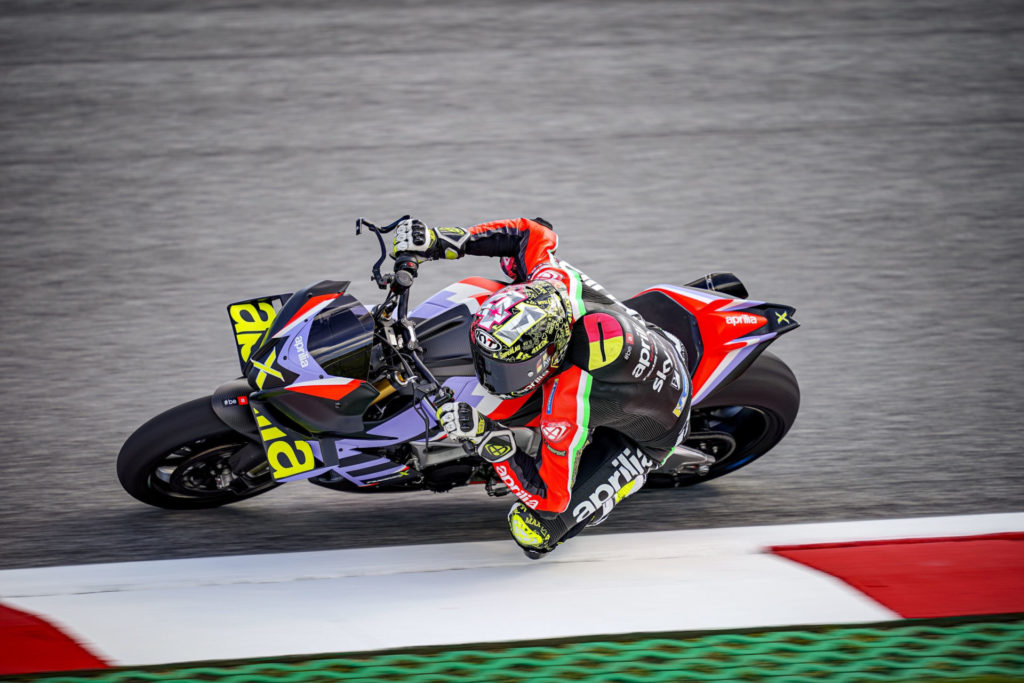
{"x":511,"y":379}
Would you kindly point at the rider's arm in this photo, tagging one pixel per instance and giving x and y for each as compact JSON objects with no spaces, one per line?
{"x":525,"y":242}
{"x":545,"y":483}
{"x":522,"y":243}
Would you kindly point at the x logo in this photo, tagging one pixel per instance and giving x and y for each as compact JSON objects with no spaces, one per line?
{"x":266,"y":369}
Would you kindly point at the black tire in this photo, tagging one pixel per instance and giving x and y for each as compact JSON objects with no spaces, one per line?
{"x":173,"y":460}
{"x":756,"y":410}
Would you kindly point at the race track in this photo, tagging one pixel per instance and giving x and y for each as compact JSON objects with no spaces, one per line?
{"x":861,"y":161}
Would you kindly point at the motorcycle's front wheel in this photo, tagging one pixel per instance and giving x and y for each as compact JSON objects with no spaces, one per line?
{"x":186,"y":458}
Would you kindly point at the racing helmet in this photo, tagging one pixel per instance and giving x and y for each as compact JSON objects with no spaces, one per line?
{"x":519,"y":336}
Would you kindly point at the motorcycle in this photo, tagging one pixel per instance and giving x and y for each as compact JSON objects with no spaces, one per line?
{"x":345,"y":397}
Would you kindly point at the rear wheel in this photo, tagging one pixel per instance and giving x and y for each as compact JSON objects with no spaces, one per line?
{"x":186,"y":458}
{"x":740,"y":422}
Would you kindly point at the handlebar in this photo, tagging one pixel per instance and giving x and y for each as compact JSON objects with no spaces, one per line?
{"x":400,"y":281}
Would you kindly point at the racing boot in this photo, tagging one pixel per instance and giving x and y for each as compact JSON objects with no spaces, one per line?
{"x":529,"y":532}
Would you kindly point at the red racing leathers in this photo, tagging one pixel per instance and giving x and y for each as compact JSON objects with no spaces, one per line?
{"x":619,"y":372}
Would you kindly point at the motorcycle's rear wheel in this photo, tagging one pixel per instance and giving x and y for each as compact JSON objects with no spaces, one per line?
{"x":754,"y":412}
{"x":183,"y":459}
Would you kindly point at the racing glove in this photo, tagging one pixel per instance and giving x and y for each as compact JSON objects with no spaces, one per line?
{"x":463,"y":422}
{"x":413,"y":237}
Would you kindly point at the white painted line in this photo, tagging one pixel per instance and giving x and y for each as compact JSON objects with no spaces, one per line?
{"x":381,"y":598}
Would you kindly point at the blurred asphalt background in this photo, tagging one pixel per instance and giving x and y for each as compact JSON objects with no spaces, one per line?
{"x":862,"y":161}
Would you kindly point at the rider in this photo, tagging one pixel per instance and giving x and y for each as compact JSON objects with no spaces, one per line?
{"x":597,"y":362}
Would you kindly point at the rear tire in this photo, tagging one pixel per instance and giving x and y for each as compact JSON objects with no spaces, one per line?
{"x":756,"y":410}
{"x":180,"y":460}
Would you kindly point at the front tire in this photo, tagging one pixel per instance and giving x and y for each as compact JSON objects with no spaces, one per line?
{"x":183,"y":459}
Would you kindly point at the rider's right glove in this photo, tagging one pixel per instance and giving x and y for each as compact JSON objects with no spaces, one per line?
{"x":463,"y":422}
{"x":413,"y":237}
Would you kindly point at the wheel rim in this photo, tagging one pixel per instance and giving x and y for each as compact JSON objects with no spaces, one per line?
{"x":201,"y":469}
{"x":747,"y":425}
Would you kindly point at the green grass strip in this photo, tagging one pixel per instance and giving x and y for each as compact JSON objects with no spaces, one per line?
{"x":983,"y":650}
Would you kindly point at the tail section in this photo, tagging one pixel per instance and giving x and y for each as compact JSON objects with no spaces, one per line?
{"x":727,"y":333}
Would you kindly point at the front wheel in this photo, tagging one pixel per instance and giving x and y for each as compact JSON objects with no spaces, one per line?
{"x":741,"y":421}
{"x":186,"y":458}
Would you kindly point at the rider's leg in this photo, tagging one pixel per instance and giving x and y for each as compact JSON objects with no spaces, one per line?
{"x":612,"y":468}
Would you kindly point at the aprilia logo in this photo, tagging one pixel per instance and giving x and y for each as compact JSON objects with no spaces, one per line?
{"x":506,"y":477}
{"x":643,"y":361}
{"x":629,"y":468}
{"x":300,"y":348}
{"x":745,"y":319}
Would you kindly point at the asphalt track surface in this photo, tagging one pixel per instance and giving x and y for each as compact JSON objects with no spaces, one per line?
{"x":862,"y":161}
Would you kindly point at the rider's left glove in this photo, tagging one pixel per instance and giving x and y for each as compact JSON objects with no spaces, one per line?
{"x":413,"y":237}
{"x":463,"y":422}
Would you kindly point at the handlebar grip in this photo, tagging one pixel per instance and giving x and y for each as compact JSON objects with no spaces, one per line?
{"x":407,"y":267}
{"x":403,"y":279}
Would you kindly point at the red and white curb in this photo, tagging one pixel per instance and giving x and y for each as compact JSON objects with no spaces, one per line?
{"x":144,"y":613}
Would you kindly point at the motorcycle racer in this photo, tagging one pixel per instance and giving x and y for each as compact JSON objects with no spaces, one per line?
{"x":616,"y":390}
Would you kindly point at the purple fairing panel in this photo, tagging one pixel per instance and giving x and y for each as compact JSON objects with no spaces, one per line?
{"x":461,"y":292}
{"x":365,"y":469}
{"x":293,"y":351}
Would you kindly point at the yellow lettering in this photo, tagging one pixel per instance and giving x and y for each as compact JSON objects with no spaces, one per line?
{"x":248,"y":319}
{"x":286,"y":462}
{"x":271,"y":434}
{"x":245,"y":343}
{"x":266,"y":369}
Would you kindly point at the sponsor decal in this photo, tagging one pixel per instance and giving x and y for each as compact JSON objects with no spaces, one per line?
{"x":551,"y":398}
{"x":555,"y":431}
{"x":744,"y":319}
{"x":678,"y":411}
{"x":630,"y":467}
{"x":629,"y":338}
{"x":663,"y":373}
{"x":236,"y":401}
{"x":643,"y":360}
{"x":300,"y":349}
{"x":497,"y":450}
{"x":486,"y":341}
{"x":266,"y":369}
{"x":250,"y":321}
{"x":529,"y":500}
{"x":285,"y":456}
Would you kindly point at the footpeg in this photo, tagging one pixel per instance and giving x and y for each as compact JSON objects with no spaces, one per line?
{"x":685,"y":460}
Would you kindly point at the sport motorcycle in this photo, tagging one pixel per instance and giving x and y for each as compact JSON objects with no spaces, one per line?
{"x":345,"y":397}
